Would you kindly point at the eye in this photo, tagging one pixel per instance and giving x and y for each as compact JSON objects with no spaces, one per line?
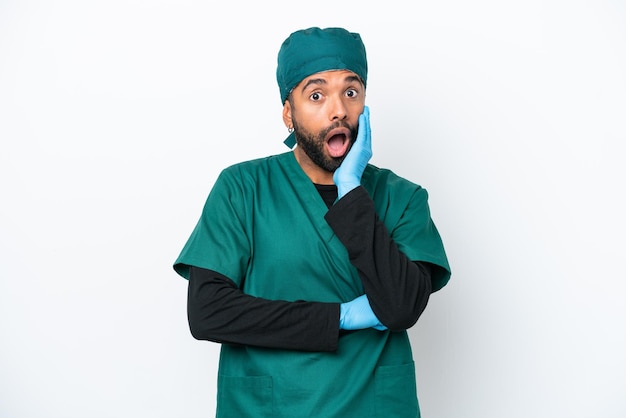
{"x":315,"y":97}
{"x":352,"y":93}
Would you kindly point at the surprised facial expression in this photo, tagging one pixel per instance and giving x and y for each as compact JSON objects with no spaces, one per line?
{"x":324,"y":110}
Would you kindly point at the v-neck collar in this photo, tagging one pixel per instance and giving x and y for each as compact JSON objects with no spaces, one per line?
{"x":312,"y":202}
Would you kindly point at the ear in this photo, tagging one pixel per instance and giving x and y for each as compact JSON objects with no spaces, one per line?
{"x":287,"y":115}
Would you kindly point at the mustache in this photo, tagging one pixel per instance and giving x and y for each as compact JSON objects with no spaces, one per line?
{"x":335,"y":125}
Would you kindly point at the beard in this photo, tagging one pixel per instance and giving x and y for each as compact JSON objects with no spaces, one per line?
{"x":314,"y":146}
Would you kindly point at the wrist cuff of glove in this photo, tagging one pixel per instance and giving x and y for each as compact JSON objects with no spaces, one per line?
{"x":342,"y":315}
{"x":344,"y":189}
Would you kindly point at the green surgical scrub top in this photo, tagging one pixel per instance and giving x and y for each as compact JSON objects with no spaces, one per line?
{"x":263,"y":227}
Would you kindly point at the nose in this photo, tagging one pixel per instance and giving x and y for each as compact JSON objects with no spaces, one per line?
{"x":337,"y":109}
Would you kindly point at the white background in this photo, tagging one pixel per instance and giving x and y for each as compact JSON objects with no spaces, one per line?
{"x":116,"y":117}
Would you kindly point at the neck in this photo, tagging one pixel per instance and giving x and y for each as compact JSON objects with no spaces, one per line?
{"x":317,"y":174}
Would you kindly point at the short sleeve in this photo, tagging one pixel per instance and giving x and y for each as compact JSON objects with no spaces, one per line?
{"x":220,"y":242}
{"x":418,"y":237}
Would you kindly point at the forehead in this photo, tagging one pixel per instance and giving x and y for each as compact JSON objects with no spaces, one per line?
{"x":345,"y":76}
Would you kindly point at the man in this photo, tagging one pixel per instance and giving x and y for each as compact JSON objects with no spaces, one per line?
{"x":309,"y":266}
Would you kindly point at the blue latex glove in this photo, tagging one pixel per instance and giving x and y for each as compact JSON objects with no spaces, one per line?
{"x":358,"y":314}
{"x":348,"y":175}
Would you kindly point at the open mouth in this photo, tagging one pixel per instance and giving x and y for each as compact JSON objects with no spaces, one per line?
{"x":337,"y":142}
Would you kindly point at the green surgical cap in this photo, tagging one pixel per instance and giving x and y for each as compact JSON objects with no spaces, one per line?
{"x":309,"y":51}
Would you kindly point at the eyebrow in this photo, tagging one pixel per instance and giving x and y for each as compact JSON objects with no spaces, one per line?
{"x":321,"y":81}
{"x":318,"y":81}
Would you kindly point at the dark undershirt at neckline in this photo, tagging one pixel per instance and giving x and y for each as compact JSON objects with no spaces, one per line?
{"x":328,"y":193}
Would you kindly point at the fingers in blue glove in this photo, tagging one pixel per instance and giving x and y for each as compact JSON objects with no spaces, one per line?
{"x":365,"y":131}
{"x":358,"y":314}
{"x":348,"y":175}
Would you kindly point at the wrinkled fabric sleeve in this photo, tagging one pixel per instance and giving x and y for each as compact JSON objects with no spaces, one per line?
{"x":397,"y":286}
{"x":219,"y":311}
